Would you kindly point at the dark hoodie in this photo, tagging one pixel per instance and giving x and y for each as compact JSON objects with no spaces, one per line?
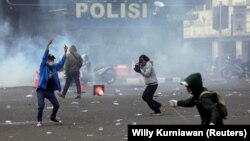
{"x":73,"y":61}
{"x":206,"y":105}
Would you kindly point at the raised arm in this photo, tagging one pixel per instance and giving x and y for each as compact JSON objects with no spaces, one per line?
{"x":46,"y":53}
{"x":60,"y":64}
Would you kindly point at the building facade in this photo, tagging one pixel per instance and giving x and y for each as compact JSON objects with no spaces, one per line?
{"x":232,"y":38}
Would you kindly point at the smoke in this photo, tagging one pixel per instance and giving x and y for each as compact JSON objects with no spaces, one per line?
{"x":15,"y":59}
{"x":21,"y":56}
{"x":105,"y":42}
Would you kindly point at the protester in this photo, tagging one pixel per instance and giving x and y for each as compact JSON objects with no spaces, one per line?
{"x":145,"y":68}
{"x":73,"y":64}
{"x":205,"y":101}
{"x":48,"y":83}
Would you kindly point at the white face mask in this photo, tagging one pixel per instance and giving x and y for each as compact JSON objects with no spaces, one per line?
{"x":50,"y":63}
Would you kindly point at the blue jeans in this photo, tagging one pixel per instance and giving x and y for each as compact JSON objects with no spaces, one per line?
{"x":41,"y":95}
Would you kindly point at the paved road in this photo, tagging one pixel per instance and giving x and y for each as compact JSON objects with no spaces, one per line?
{"x":105,"y":118}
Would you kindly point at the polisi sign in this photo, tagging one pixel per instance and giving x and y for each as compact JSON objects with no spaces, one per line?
{"x":101,"y":10}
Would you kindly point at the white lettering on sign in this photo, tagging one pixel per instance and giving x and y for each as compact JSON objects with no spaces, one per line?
{"x":80,"y":9}
{"x":110,"y":13}
{"x":108,"y":10}
{"x":97,"y":10}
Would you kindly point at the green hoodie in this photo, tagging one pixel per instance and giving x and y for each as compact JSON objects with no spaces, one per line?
{"x":206,"y":105}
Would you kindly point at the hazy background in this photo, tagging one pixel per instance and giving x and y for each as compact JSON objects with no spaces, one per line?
{"x":26,"y":29}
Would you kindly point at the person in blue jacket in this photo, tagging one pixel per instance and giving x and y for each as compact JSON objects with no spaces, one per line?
{"x":48,"y":83}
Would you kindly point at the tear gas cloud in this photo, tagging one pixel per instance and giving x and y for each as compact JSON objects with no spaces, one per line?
{"x":105,"y":45}
{"x":16,"y":63}
{"x":21,"y":57}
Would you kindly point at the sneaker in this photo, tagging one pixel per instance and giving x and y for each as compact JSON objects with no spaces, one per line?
{"x":39,"y":124}
{"x":78,"y":97}
{"x":61,"y":95}
{"x":55,"y":120}
{"x":156,"y":114}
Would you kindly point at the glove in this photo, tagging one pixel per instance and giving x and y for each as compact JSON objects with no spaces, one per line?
{"x":137,"y":68}
{"x":173,"y":103}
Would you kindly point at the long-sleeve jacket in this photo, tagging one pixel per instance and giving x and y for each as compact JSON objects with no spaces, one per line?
{"x":206,"y":104}
{"x":206,"y":107}
{"x":44,"y":72}
{"x":74,"y":61}
{"x":149,"y":74}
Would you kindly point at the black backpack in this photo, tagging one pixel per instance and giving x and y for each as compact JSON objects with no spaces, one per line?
{"x":220,"y":103}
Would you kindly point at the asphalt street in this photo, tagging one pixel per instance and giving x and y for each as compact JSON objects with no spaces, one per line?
{"x":105,"y":118}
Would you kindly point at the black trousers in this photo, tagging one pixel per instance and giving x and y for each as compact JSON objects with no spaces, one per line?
{"x":69,"y":77}
{"x":148,"y":95}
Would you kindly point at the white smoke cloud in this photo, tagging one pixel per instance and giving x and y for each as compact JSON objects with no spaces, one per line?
{"x":21,"y":56}
{"x":17,"y":59}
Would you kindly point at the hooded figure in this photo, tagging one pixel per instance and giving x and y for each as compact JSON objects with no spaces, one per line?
{"x":72,"y":71}
{"x":206,"y":104}
{"x":74,"y":60}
